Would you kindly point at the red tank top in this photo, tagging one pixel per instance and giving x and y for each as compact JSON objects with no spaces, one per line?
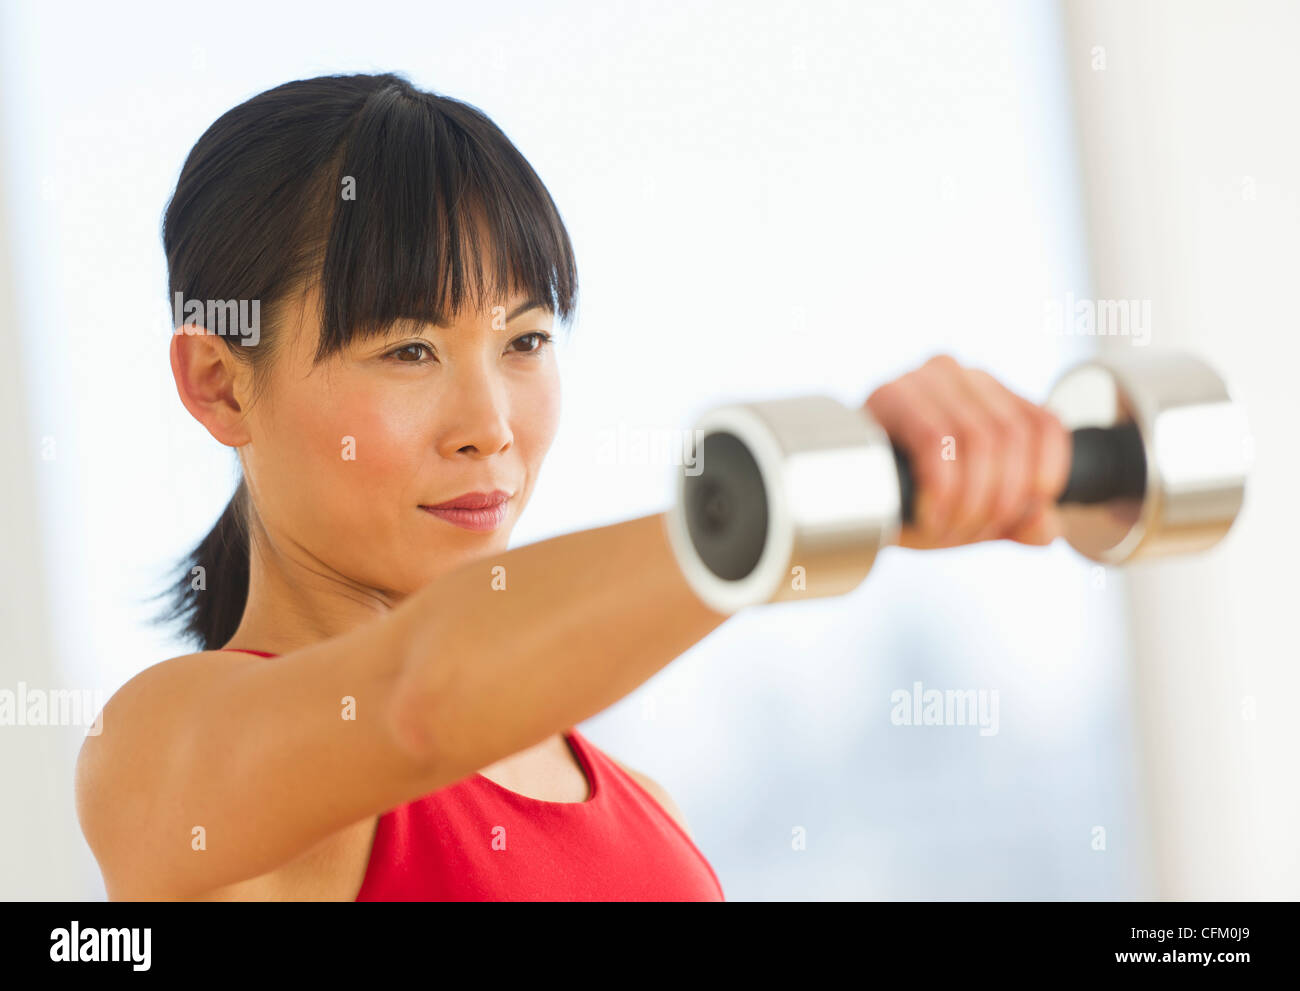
{"x":475,"y":840}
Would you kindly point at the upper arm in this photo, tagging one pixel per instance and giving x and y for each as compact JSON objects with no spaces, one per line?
{"x":657,"y":793}
{"x":217,"y":767}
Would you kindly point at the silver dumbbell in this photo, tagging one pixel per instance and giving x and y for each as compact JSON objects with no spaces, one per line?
{"x":793,"y":498}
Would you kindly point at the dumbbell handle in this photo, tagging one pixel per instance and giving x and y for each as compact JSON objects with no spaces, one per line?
{"x":1107,"y":463}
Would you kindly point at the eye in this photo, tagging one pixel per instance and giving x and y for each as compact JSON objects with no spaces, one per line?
{"x":409,"y":354}
{"x":543,"y":339}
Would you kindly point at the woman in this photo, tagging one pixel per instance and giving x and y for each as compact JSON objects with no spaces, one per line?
{"x":383,"y":700}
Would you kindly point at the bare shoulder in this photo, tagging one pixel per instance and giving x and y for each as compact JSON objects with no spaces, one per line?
{"x":141,"y":703}
{"x":657,"y":792}
{"x":146,"y":699}
{"x":186,"y":741}
{"x":136,"y":728}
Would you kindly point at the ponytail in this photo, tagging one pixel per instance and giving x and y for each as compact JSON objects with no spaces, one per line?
{"x":211,"y":588}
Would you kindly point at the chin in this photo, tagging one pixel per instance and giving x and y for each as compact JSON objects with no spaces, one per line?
{"x":447,"y":555}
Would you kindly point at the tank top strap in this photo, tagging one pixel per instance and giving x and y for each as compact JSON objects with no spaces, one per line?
{"x":590,"y":761}
{"x":627,"y":801}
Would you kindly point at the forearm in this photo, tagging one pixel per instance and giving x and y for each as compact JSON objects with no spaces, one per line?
{"x":502,"y":653}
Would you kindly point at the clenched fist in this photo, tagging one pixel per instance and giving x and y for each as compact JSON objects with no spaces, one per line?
{"x":988,"y":464}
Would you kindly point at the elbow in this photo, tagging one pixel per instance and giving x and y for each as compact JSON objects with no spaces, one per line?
{"x":423,"y":712}
{"x":412,"y":722}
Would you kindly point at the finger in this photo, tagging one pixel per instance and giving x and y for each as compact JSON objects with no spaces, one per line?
{"x":1017,"y":453}
{"x":1052,"y":470}
{"x":917,"y":425}
{"x":1055,"y":449}
{"x":975,"y":434}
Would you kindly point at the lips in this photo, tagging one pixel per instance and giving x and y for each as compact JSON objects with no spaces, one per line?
{"x":473,"y":500}
{"x":477,"y":511}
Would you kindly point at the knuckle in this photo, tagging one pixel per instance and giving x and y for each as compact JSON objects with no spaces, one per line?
{"x":985,"y":381}
{"x":884,"y":392}
{"x":942,"y":362}
{"x":893,"y":390}
{"x":1049,"y":425}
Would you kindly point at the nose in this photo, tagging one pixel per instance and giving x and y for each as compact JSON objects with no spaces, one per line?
{"x":476,"y":417}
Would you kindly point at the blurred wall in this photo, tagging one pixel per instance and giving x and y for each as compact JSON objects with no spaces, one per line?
{"x":1187,"y":114}
{"x":40,"y":844}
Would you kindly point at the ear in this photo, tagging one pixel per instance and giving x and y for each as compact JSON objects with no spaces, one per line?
{"x":210,"y":383}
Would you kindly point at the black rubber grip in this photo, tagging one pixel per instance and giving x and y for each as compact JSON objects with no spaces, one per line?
{"x":1107,"y":463}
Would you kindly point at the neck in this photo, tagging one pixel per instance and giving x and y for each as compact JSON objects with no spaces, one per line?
{"x":294,"y":602}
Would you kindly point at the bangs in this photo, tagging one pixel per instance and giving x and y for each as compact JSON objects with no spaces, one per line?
{"x":438,"y":188}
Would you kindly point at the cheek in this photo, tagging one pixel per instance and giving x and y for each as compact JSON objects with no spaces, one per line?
{"x":537,"y":418}
{"x":344,"y":461}
{"x":371,"y":448}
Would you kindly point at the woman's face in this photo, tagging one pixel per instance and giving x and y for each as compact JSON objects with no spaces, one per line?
{"x":344,"y":455}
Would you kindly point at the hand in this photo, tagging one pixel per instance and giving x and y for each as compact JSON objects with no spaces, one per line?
{"x":988,"y":464}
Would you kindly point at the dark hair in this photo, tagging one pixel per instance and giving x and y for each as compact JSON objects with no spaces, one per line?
{"x":261,"y":212}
